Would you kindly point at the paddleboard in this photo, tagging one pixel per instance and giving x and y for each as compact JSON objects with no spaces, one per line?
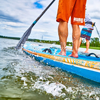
{"x":85,"y":66}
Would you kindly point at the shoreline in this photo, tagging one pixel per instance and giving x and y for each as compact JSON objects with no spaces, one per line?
{"x":48,"y":41}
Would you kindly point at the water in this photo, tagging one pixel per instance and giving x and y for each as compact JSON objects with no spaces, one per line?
{"x":24,"y":78}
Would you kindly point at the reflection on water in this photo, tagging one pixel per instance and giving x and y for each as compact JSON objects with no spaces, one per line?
{"x":24,"y":78}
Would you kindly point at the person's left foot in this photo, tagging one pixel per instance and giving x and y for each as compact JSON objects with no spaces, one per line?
{"x":74,"y":55}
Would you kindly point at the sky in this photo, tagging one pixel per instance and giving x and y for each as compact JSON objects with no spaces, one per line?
{"x":16,"y":16}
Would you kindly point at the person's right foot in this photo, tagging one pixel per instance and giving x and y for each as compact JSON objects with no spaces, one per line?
{"x":86,"y":52}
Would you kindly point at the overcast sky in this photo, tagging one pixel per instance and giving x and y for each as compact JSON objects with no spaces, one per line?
{"x":16,"y":16}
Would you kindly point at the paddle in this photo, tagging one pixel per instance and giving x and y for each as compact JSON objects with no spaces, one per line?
{"x":28,"y":31}
{"x":97,"y":31}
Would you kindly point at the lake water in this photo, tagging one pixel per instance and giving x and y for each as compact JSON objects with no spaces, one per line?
{"x":24,"y":78}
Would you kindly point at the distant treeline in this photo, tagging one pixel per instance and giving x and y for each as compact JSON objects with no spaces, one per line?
{"x":36,"y":40}
{"x":15,"y":38}
{"x":94,"y":42}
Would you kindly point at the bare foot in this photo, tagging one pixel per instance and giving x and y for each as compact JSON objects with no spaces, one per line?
{"x":62,"y":53}
{"x":74,"y":55}
{"x":86,"y":52}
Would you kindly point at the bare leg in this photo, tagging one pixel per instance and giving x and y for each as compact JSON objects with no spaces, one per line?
{"x":87,"y":46}
{"x":80,"y":42}
{"x":63,"y":34}
{"x":76,"y":37}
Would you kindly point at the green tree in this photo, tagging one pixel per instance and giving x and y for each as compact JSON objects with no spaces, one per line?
{"x":94,"y":42}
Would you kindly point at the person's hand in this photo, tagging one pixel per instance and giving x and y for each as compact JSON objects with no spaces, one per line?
{"x":93,"y":24}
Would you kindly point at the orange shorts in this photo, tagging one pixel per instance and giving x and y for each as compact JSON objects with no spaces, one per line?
{"x":73,"y":8}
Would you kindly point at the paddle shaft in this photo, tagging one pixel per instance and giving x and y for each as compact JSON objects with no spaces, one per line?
{"x":43,"y":13}
{"x":27,"y":33}
{"x":97,"y":31}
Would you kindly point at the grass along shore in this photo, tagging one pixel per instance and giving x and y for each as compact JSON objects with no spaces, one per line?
{"x":96,"y":48}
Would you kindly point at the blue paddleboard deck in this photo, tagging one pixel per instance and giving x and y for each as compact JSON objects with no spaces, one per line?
{"x":85,"y":66}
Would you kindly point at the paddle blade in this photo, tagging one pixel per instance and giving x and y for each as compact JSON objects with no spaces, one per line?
{"x":24,"y":38}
